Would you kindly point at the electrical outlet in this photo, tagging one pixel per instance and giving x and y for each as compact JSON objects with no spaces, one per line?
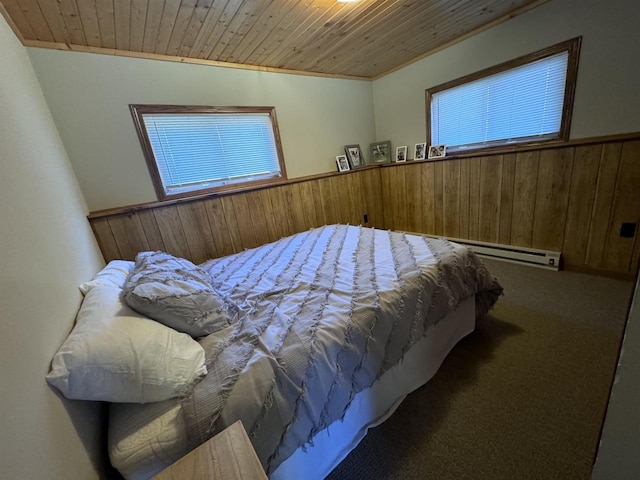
{"x":628,"y":230}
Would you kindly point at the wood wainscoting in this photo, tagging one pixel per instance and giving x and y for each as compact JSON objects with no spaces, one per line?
{"x":571,"y":198}
{"x":221,"y":225}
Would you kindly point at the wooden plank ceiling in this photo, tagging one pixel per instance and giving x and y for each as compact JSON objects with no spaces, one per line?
{"x":364,"y":39}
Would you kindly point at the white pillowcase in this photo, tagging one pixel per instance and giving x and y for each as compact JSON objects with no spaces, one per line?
{"x":114,"y":354}
{"x":113,"y":275}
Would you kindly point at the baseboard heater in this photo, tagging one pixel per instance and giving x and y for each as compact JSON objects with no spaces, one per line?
{"x":509,"y":253}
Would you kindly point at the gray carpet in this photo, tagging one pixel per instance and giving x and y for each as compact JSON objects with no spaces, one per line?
{"x":523,"y":397}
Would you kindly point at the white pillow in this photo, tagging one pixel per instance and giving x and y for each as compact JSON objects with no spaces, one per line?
{"x":114,"y":354}
{"x":113,"y":275}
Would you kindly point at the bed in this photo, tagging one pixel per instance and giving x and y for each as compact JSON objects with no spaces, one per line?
{"x":331,"y":329}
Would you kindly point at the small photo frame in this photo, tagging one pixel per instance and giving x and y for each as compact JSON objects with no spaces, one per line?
{"x":380,"y":152}
{"x":354,"y":154}
{"x":420,"y":151}
{"x":401,"y":154}
{"x":437,"y":151}
{"x":343,"y":163}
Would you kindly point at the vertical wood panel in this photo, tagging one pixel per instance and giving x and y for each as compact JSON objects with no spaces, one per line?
{"x":414,"y":198}
{"x":129,"y":235}
{"x":171,"y":231}
{"x":387,"y":212}
{"x":151,"y":230}
{"x":490,"y":193}
{"x":399,"y":197}
{"x":338,"y":196}
{"x":105,"y":239}
{"x":605,"y":188}
{"x":524,"y":198}
{"x":340,"y":189}
{"x":626,"y":208}
{"x":474,"y":199}
{"x":427,"y":178}
{"x":373,"y":197}
{"x":353,"y":183}
{"x":552,"y":198}
{"x":197,"y":231}
{"x":219,"y":226}
{"x":463,"y":199}
{"x":306,"y":204}
{"x":258,"y":216}
{"x":243,"y":219}
{"x":635,"y":260}
{"x":438,"y":192}
{"x":451,"y":198}
{"x":273,"y":230}
{"x":583,"y":187}
{"x":319,"y":206}
{"x":327,"y":201}
{"x":283,"y":222}
{"x":232,"y":222}
{"x":295,"y":208}
{"x":506,"y":197}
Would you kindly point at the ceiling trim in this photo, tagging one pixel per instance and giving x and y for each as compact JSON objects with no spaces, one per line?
{"x":69,"y":47}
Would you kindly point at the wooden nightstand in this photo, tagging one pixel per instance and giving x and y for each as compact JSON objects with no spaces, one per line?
{"x":227,"y":456}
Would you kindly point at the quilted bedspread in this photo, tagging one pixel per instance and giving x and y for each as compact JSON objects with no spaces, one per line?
{"x":323,"y":314}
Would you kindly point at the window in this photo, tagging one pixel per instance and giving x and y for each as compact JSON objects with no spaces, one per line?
{"x":526,"y":100}
{"x":193,"y":150}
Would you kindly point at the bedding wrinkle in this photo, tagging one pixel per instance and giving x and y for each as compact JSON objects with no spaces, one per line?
{"x":202,"y":396}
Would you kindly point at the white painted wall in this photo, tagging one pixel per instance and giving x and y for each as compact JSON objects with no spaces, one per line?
{"x":46,"y":251}
{"x":89,"y":95}
{"x":606,"y":101}
{"x":619,"y":453}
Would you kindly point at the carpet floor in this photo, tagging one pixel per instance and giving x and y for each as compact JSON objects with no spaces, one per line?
{"x":522,"y":397}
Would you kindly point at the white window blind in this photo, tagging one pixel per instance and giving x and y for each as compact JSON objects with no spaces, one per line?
{"x":205,"y":150}
{"x":521,"y":103}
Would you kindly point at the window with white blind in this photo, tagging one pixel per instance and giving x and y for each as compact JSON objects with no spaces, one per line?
{"x":194,"y":150}
{"x":527,"y":100}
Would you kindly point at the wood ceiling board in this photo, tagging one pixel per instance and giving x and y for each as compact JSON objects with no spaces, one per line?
{"x":106,"y":23}
{"x":200,"y":13}
{"x":152,"y":26}
{"x":369,"y":38}
{"x":19,"y":18}
{"x":122,"y":23}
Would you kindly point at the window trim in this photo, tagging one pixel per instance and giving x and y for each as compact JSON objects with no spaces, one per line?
{"x":571,"y":46}
{"x":138,"y":110}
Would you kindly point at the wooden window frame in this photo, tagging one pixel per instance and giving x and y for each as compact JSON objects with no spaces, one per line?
{"x":137,"y":111}
{"x":571,"y":46}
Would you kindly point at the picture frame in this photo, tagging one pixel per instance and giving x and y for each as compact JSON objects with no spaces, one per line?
{"x":343,"y":163}
{"x":401,"y":154}
{"x":419,"y":151}
{"x":354,"y":155}
{"x":380,"y":152}
{"x":437,"y":151}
